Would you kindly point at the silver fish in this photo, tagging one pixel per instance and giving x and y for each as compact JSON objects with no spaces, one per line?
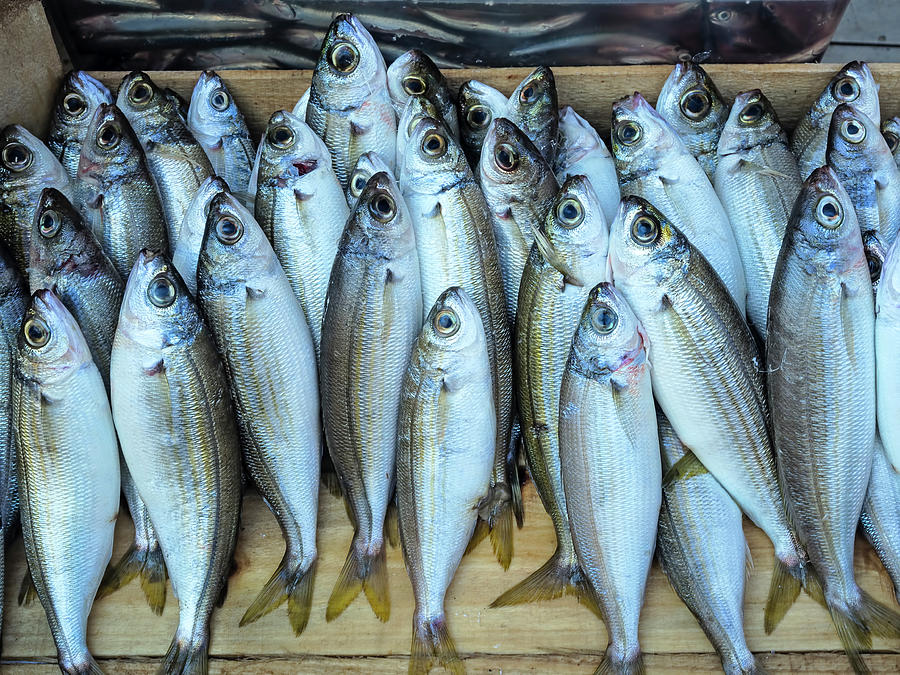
{"x":534,"y":108}
{"x":876,"y":253}
{"x":887,"y":335}
{"x":190,"y":234}
{"x":890,"y":129}
{"x":880,"y":517}
{"x":417,"y":108}
{"x":479,"y":105}
{"x":414,"y":75}
{"x":368,"y":164}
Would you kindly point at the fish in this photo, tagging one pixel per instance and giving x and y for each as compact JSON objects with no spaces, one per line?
{"x":349,"y":104}
{"x":654,"y":163}
{"x":611,"y":470}
{"x":414,"y":75}
{"x":582,"y":152}
{"x":757,"y":181}
{"x":890,"y":129}
{"x":692,"y":105}
{"x":186,"y":249}
{"x":707,"y":377}
{"x":417,"y":108}
{"x":567,"y":260}
{"x":245,"y":296}
{"x":218,"y":124}
{"x":456,"y":247}
{"x":76,"y":102}
{"x":64,"y":432}
{"x":876,"y":252}
{"x":534,"y":108}
{"x":863,"y":163}
{"x":178,"y":163}
{"x":124,"y":210}
{"x":880,"y":519}
{"x":178,"y":434}
{"x":519,"y":187}
{"x":887,"y":360}
{"x":701,"y":549}
{"x":373,"y":316}
{"x":821,"y":320}
{"x":479,"y":105}
{"x":27,"y":166}
{"x":445,"y":454}
{"x":368,"y":164}
{"x":13,"y":303}
{"x":301,"y":207}
{"x":854,"y":84}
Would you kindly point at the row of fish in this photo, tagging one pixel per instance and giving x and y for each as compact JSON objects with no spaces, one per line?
{"x":421,"y":288}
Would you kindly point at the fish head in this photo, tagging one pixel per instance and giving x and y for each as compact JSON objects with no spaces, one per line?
{"x":213,"y":113}
{"x":644,"y":247}
{"x":639,"y":134}
{"x":157,"y":309}
{"x":380,"y":224}
{"x":350,"y":65}
{"x":145,"y":104}
{"x":478,"y":105}
{"x":433,"y":160}
{"x":751,"y":122}
{"x":453,"y":324}
{"x":690,"y":102}
{"x":823,"y":224}
{"x":575,"y":226}
{"x":26,"y":163}
{"x":78,"y":98}
{"x":50,"y":343}
{"x":577,"y":138}
{"x":510,"y":160}
{"x":414,"y":75}
{"x":110,"y":148}
{"x":234,"y":247}
{"x":890,"y":129}
{"x":854,"y":84}
{"x":416,"y":108}
{"x":290,"y":150}
{"x":194,"y":222}
{"x":534,"y":103}
{"x":367,"y":165}
{"x":876,"y":250}
{"x":855,"y":143}
{"x":58,"y":238}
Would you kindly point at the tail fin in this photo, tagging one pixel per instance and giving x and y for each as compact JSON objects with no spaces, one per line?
{"x":502,"y":533}
{"x":362,"y":571}
{"x":517,"y":448}
{"x":146,"y":562}
{"x":186,"y":657}
{"x":783,"y":592}
{"x":431,"y":642}
{"x":553,"y":579}
{"x":613,"y":665}
{"x":291,"y":583}
{"x":85,"y":666}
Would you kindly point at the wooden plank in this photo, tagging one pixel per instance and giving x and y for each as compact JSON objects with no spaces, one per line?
{"x":869,"y":22}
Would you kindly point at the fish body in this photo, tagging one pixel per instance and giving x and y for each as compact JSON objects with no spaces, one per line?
{"x":301,"y":207}
{"x":887,"y":359}
{"x":177,"y":428}
{"x":186,"y":249}
{"x":757,"y":182}
{"x":64,"y":432}
{"x":655,"y":164}
{"x":372,"y":319}
{"x":880,"y":518}
{"x":444,"y":460}
{"x":349,"y":104}
{"x":122,"y":205}
{"x":890,"y":129}
{"x":414,"y":75}
{"x":178,"y":163}
{"x":368,"y":164}
{"x":609,"y":452}
{"x":479,"y":104}
{"x":876,"y":254}
{"x":534,"y":108}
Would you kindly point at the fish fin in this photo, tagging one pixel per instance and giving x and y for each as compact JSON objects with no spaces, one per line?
{"x":86,"y":666}
{"x":392,"y":524}
{"x":289,"y":580}
{"x":748,"y":561}
{"x":686,"y":467}
{"x":94,"y":668}
{"x":362,"y":571}
{"x":783,"y":591}
{"x":329,"y":476}
{"x":502,"y":532}
{"x":554,"y":260}
{"x":431,"y":642}
{"x":633,"y":665}
{"x":144,"y":562}
{"x":480,"y":532}
{"x":517,"y":448}
{"x":186,"y":657}
{"x":553,"y":579}
{"x":300,"y":599}
{"x":854,"y":637}
{"x":27,"y":590}
{"x":762,"y":170}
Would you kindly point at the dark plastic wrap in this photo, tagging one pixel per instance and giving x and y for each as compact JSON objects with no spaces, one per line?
{"x":194,"y":34}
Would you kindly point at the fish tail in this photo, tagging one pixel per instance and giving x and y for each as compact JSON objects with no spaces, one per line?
{"x":880,"y":620}
{"x":615,"y":665}
{"x":553,"y":579}
{"x":480,"y":532}
{"x":363,"y":570}
{"x":787,"y":579}
{"x":27,"y":590}
{"x":392,"y":524}
{"x":86,"y":665}
{"x":146,"y":562}
{"x":290,"y":580}
{"x":502,"y":533}
{"x":431,"y":642}
{"x":512,"y":474}
{"x":854,"y":637}
{"x":186,"y":657}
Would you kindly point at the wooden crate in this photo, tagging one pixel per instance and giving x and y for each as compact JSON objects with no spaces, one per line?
{"x":559,"y":636}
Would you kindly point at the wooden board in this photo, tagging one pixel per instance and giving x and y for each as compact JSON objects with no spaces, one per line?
{"x":560,"y":636}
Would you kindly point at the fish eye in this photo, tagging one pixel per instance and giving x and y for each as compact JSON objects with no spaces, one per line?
{"x":604,"y":319}
{"x":140,"y":93}
{"x":434,"y":145}
{"x":753,"y":112}
{"x":570,"y":213}
{"x":892,"y":140}
{"x":49,"y":224}
{"x":74,"y":105}
{"x":853,"y":131}
{"x":281,"y":137}
{"x":382,"y":207}
{"x":228,"y":230}
{"x":413,"y":85}
{"x":644,"y":230}
{"x":846,"y":89}
{"x":528,"y":94}
{"x":37,"y":332}
{"x":695,"y":104}
{"x":874,"y":267}
{"x":344,"y":57}
{"x":219,"y":100}
{"x":161,"y":291}
{"x":16,"y":157}
{"x":108,"y":137}
{"x":628,"y":132}
{"x":506,"y":157}
{"x":829,"y":212}
{"x":446,"y":323}
{"x":357,"y":183}
{"x":479,"y":116}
